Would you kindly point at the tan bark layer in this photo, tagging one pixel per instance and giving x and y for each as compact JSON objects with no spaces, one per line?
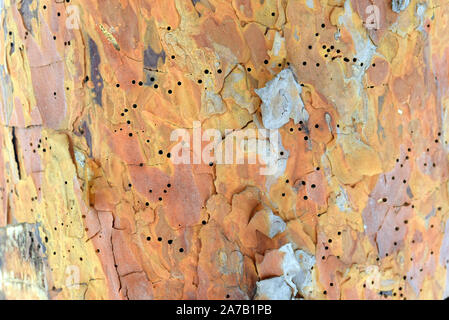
{"x":357,"y":209}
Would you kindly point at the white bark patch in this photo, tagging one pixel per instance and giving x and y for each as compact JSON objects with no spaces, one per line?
{"x":290,"y":266}
{"x":277,"y":225}
{"x":304,"y":279}
{"x":297,"y":276}
{"x":281,"y":100}
{"x":273,"y":289}
{"x":399,"y":5}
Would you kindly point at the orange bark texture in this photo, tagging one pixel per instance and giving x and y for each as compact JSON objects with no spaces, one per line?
{"x":93,"y":207}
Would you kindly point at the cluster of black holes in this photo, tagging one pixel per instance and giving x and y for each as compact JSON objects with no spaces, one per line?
{"x":40,"y":145}
{"x":58,"y":14}
{"x":331,"y":284}
{"x":332,"y":50}
{"x":303,"y":183}
{"x":169,"y":242}
{"x":397,"y":228}
{"x":124,"y":112}
{"x":219,"y":71}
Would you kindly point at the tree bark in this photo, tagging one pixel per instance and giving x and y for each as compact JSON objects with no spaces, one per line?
{"x":94,"y":204}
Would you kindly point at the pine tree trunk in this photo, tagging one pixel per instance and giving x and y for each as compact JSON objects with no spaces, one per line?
{"x":94,"y":204}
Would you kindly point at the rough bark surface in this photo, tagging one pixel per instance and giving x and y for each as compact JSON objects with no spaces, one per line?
{"x":93,"y":207}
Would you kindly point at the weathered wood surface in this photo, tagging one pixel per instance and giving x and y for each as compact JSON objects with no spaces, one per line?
{"x":358,"y":207}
